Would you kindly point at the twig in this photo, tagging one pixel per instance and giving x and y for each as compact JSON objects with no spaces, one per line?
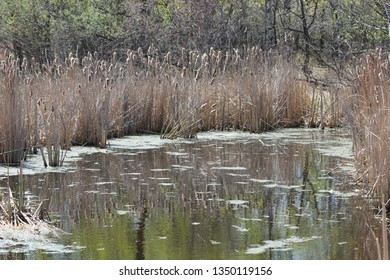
{"x":37,"y":210}
{"x":4,"y":211}
{"x":378,"y":247}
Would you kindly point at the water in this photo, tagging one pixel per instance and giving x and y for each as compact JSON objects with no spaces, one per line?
{"x":227,"y":195}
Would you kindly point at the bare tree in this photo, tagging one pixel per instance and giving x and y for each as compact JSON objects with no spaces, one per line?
{"x":386,"y":7}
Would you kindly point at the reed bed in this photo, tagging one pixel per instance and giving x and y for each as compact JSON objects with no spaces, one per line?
{"x":368,"y":108}
{"x":368,"y":111}
{"x":85,"y":101}
{"x":12,"y":117}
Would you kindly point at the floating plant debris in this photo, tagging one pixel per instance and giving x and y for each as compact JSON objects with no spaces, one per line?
{"x":177,"y":154}
{"x":104,"y":183}
{"x":280,"y":244}
{"x":238,"y":168}
{"x":122,"y":212}
{"x":237,"y":202}
{"x":25,"y":239}
{"x":241,"y":229}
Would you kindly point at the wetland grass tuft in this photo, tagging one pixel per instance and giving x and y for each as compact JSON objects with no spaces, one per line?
{"x":20,"y":212}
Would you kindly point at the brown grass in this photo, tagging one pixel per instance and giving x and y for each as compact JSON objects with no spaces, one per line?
{"x":12,"y":116}
{"x":368,"y":110}
{"x":87,"y":101}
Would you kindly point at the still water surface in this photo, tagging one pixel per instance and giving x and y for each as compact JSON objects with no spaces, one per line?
{"x":225,"y":195}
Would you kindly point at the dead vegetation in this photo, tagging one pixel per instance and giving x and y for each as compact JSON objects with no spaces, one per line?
{"x":85,"y":101}
{"x":20,"y":211}
{"x":48,"y":108}
{"x":367,"y":106}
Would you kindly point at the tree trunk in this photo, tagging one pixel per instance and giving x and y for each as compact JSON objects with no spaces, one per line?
{"x":306,"y":38}
{"x":269,"y":25}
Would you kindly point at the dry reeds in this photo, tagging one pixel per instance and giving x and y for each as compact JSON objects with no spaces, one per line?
{"x":15,"y":212}
{"x":86,"y":101}
{"x":368,"y":110}
{"x":12,"y":116}
{"x":369,"y":116}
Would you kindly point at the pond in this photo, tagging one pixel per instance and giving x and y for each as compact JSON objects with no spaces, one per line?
{"x":279,"y":195}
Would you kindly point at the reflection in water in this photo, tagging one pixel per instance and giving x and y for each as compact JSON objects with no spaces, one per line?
{"x":270,"y":196}
{"x":140,"y":255}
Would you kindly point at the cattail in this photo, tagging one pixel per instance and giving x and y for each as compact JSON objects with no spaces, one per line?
{"x":183,"y":72}
{"x":204,"y":59}
{"x":198,"y":74}
{"x":103,"y":65}
{"x":84,"y":61}
{"x":155,"y":63}
{"x":211,"y":53}
{"x":140,"y":53}
{"x":196,"y":60}
{"x":237,"y":60}
{"x":219,"y":56}
{"x":59,"y":70}
{"x":55,"y":61}
{"x":167,"y":58}
{"x":183,"y":56}
{"x":114,"y":57}
{"x":10,"y":59}
{"x":74,"y":62}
